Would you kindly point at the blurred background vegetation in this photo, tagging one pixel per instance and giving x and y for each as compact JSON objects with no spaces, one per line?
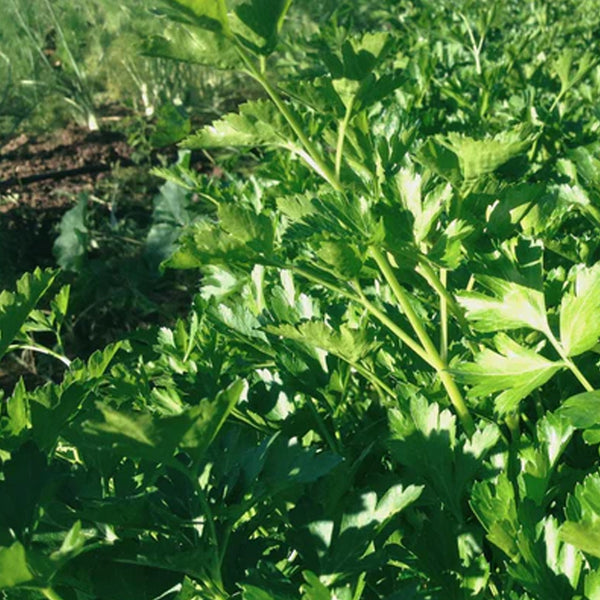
{"x":62,"y":61}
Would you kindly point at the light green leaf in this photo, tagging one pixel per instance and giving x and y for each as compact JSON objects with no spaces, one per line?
{"x":72,"y":544}
{"x":580,"y":312}
{"x":313,"y":589}
{"x":562,"y":67}
{"x":210,"y":14}
{"x":247,"y":227}
{"x":13,"y":566}
{"x":256,"y":124}
{"x":194,"y":46}
{"x":345,"y":342}
{"x":205,"y":243}
{"x":514,"y":371}
{"x":592,"y":585}
{"x":343,"y":258}
{"x":582,"y":528}
{"x":18,"y":411}
{"x":425,"y":211}
{"x":252,"y":592}
{"x":448,"y":248}
{"x":583,"y":536}
{"x":513,"y":306}
{"x":395,"y":500}
{"x":582,"y":410}
{"x":482,"y":157}
{"x":495,"y":507}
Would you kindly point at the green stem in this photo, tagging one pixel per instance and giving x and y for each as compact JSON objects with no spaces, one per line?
{"x":324,"y":169}
{"x":41,"y":350}
{"x":323,"y":428}
{"x":360,"y":586}
{"x":570,"y":364}
{"x":435,"y":359}
{"x":371,"y":377}
{"x":447,"y":302}
{"x":339,"y":151}
{"x":193,"y":475}
{"x":50,"y":594}
{"x":444,"y":316}
{"x":370,"y":307}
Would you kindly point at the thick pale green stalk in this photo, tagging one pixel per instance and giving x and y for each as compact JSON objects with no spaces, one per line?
{"x":444,"y":316}
{"x":435,"y":359}
{"x":339,"y":151}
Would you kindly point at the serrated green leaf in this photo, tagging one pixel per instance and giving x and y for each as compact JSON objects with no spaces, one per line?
{"x":582,"y":410}
{"x":495,"y":507}
{"x":447,"y":250}
{"x":252,"y":592}
{"x":345,"y":342}
{"x":313,"y":589}
{"x":17,"y":408}
{"x":72,"y":544}
{"x":172,"y":125}
{"x":194,"y":46}
{"x":265,"y":19}
{"x":482,"y":157}
{"x":155,"y":437}
{"x":211,"y":418}
{"x":580,"y":312}
{"x":343,"y":258}
{"x":441,"y":160}
{"x":584,"y":536}
{"x":247,"y":227}
{"x":15,"y":307}
{"x":257,"y":123}
{"x":592,"y":585}
{"x":210,"y":14}
{"x":514,"y":306}
{"x":425,"y":210}
{"x":204,"y":243}
{"x":514,"y":371}
{"x":560,"y":556}
{"x":392,"y":502}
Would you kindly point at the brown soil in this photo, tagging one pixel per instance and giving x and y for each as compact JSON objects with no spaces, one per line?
{"x":40,"y":178}
{"x":55,"y":159}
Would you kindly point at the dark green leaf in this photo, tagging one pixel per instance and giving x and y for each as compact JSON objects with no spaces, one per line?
{"x":70,"y":247}
{"x":15,"y":307}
